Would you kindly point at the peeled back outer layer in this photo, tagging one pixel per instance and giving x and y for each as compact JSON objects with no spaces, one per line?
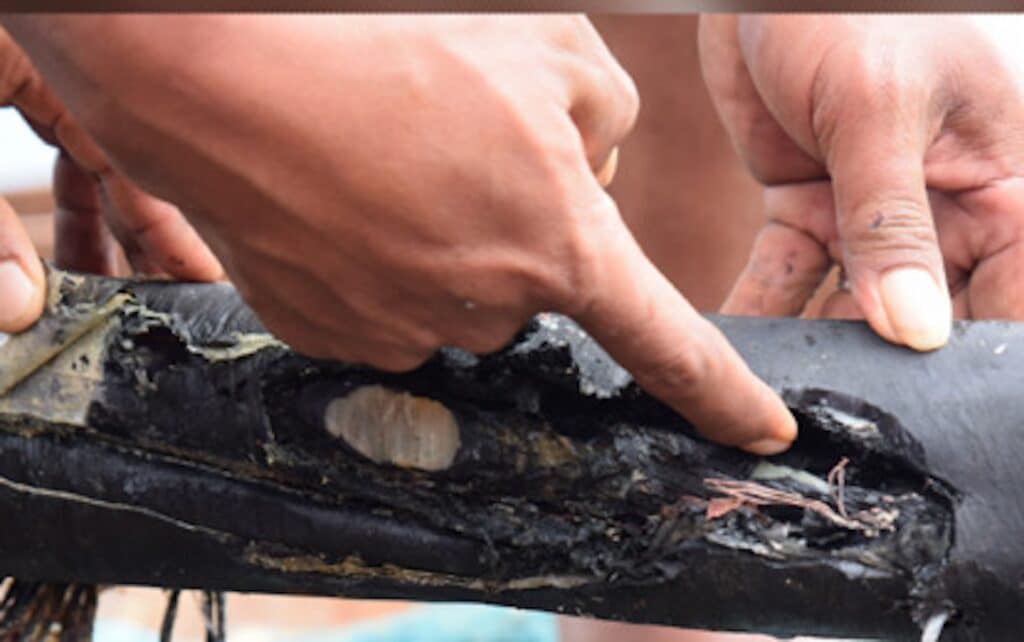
{"x":153,"y":433}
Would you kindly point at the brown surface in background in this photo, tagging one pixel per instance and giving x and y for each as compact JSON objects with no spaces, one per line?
{"x":35,"y":202}
{"x":680,"y":186}
{"x":40,"y":228}
{"x":36,"y":209}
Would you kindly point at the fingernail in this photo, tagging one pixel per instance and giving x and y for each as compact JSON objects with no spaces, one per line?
{"x":16,"y":293}
{"x":919,"y":312}
{"x":767,"y":446}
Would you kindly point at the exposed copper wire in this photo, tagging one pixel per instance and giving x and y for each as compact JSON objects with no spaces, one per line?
{"x":755,"y":494}
{"x":837,"y":484}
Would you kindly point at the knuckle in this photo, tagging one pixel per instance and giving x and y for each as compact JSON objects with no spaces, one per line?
{"x":839,"y":99}
{"x":79,"y":145}
{"x":396,"y":361}
{"x":565,"y":32}
{"x":581,"y":28}
{"x":873,"y":93}
{"x":347,"y":352}
{"x":414,"y":338}
{"x":608,"y":101}
{"x":482,"y":345}
{"x":487,"y":343}
{"x":621,"y":103}
{"x":682,"y":374}
{"x":309,"y":346}
{"x":577,"y":33}
{"x":895,"y":225}
{"x":402,"y":349}
{"x":630,"y":100}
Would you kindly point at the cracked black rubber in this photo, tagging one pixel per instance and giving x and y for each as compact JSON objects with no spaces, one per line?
{"x":154,"y":434}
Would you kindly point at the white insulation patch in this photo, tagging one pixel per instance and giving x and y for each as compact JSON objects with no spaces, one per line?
{"x":397,"y":428}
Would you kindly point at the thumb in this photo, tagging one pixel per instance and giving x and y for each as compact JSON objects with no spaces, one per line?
{"x":886,"y":231}
{"x":646,"y":325}
{"x":22,"y":279}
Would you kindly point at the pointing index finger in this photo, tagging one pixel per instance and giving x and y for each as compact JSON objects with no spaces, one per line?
{"x":677,"y":355}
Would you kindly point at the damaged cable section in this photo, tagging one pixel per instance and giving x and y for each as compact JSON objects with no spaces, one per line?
{"x":540,"y":477}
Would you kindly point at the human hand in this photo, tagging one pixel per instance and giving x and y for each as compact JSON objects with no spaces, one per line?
{"x":889,"y":145}
{"x":91,"y":197}
{"x":380,"y":186}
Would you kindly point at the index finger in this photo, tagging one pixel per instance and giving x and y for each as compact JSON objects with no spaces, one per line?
{"x":674,"y":353}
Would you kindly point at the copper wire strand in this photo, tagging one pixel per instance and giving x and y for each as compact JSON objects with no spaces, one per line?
{"x":837,"y":484}
{"x":755,"y":494}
